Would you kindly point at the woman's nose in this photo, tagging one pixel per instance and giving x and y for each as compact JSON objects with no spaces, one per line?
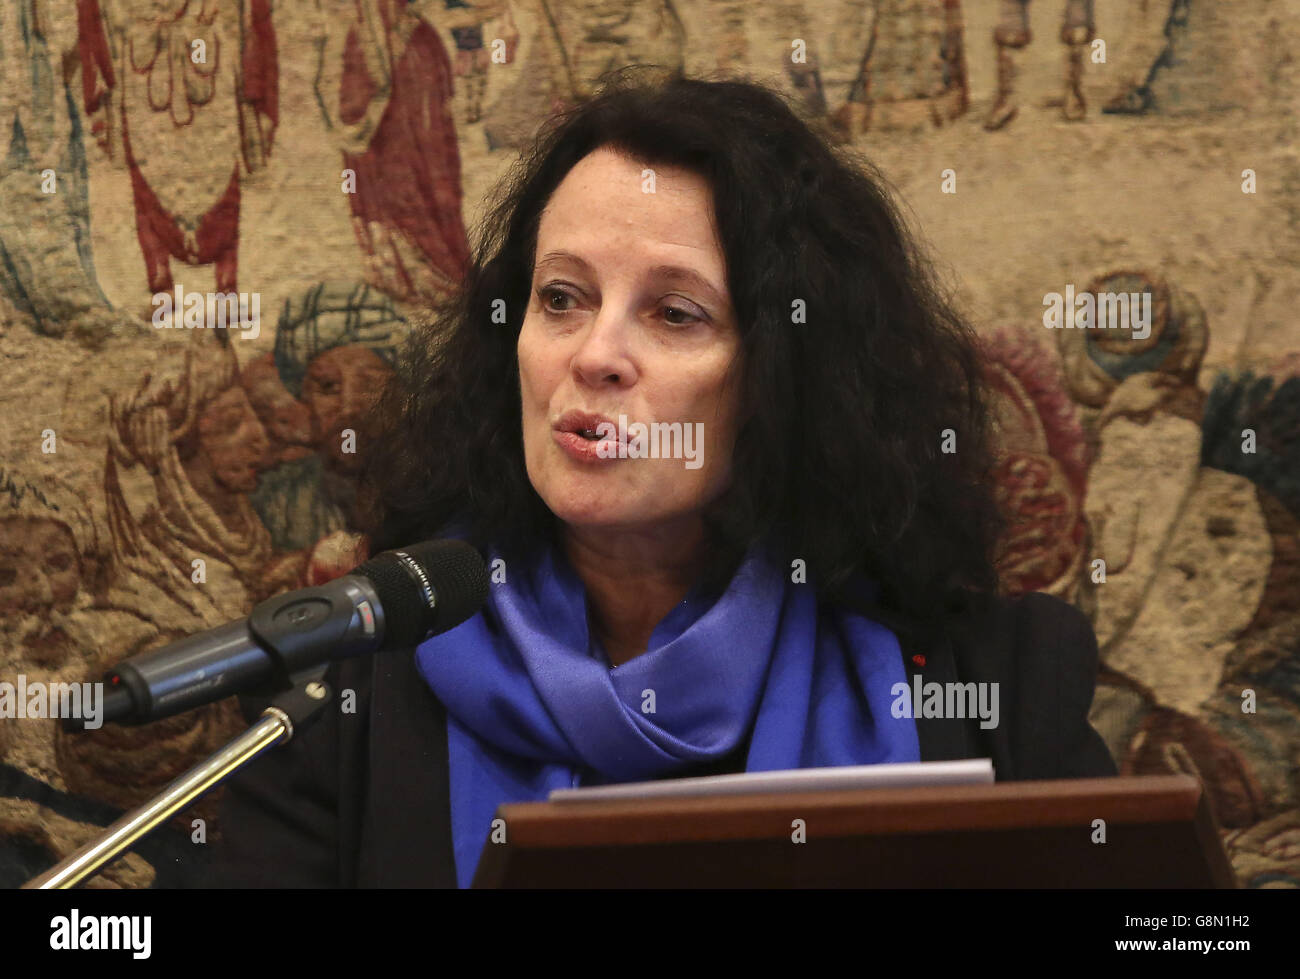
{"x":603,"y":354}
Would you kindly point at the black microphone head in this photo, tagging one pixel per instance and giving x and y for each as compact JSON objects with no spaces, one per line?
{"x":426,"y":589}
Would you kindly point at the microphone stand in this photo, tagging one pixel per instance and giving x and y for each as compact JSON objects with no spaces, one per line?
{"x":290,"y":711}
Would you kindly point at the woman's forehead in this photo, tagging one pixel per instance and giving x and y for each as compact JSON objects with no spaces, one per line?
{"x":614,"y":192}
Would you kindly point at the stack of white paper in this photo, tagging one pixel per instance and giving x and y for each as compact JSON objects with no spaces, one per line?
{"x":967,"y":771}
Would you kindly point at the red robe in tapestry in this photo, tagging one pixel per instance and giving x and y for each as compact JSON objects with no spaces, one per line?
{"x":407,"y":205}
{"x":189,"y":116}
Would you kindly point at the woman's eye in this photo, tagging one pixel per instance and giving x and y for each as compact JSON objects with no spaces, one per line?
{"x":690,"y":317}
{"x":547,"y":294}
{"x":674,"y":315}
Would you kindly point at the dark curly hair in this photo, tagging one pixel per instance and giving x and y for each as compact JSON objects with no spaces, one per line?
{"x":841,"y":461}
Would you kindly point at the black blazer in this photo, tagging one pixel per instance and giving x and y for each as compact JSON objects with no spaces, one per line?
{"x":361,"y":799}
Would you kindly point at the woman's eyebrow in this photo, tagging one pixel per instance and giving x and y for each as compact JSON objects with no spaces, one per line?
{"x":674,"y":272}
{"x":690,"y":277}
{"x":559,"y":258}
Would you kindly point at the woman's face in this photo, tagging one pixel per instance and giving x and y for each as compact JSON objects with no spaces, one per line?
{"x":629,"y":315}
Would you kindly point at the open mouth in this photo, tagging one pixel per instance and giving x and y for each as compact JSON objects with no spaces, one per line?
{"x":587,"y":426}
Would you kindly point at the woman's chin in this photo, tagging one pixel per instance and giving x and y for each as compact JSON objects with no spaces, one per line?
{"x":596,"y":516}
{"x":604,"y":511}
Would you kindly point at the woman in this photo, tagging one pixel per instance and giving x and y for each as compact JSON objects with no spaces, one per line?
{"x":750,"y":590}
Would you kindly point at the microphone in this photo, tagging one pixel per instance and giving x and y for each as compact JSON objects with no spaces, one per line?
{"x":396,"y":599}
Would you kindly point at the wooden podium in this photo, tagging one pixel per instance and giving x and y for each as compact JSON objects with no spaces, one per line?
{"x":1159,"y":832}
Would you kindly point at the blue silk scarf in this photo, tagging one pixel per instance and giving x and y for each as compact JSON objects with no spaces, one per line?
{"x":533,"y":704}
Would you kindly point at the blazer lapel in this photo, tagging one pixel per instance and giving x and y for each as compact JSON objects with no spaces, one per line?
{"x":941,"y":738}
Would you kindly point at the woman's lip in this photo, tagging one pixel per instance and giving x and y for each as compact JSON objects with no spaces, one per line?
{"x":585,"y":450}
{"x":575,"y":421}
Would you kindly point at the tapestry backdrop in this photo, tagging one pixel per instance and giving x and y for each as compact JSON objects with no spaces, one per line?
{"x":327,"y":161}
